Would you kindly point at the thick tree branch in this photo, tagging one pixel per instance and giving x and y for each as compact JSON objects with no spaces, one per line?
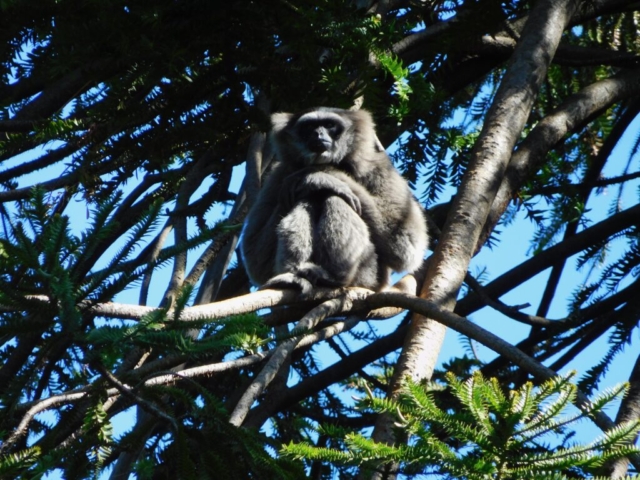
{"x":471,"y":206}
{"x":629,"y":411}
{"x":571,"y":115}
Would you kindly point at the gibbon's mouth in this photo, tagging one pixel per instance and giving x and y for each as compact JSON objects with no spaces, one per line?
{"x":321,"y":145}
{"x":319,"y":158}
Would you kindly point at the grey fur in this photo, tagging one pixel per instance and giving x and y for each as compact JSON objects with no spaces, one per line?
{"x":333,"y":214}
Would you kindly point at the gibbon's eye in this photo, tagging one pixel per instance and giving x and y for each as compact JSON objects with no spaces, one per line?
{"x":334,"y":128}
{"x":306,"y":128}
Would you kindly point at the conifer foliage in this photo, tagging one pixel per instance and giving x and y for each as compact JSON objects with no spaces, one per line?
{"x":473,"y":430}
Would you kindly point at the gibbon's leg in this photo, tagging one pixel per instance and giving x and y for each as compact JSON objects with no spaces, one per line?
{"x":325,"y":244}
{"x":295,"y":238}
{"x":342,"y":246}
{"x":294,"y":250}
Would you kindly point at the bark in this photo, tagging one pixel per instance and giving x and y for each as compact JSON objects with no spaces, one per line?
{"x":629,"y":411}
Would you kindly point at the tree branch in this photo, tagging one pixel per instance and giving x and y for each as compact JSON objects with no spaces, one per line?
{"x":267,"y":374}
{"x":629,"y":411}
{"x":471,"y":206}
{"x":547,"y":258}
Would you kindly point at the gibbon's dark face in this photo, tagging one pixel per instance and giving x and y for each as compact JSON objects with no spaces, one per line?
{"x":319,"y":135}
{"x":324,"y":135}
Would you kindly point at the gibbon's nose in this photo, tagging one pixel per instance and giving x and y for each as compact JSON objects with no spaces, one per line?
{"x":321,"y":142}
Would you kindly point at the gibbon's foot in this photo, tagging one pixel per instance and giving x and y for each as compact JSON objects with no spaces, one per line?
{"x":285,"y":281}
{"x":318,"y":276}
{"x":407,"y":284}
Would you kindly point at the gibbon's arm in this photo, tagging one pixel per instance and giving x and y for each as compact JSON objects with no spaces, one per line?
{"x":259,"y":241}
{"x":310,"y":182}
{"x":395,"y":219}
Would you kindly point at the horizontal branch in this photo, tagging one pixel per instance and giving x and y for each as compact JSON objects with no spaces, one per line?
{"x":362,"y":300}
{"x":250,"y":302}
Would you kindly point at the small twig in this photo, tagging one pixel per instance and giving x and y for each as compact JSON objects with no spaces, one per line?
{"x":580,"y":187}
{"x":510,"y":311}
{"x":369,"y":378}
{"x":42,"y":405}
{"x":129,"y":392}
{"x":165,"y":378}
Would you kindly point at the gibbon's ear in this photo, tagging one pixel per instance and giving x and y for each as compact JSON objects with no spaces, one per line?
{"x":279,"y":121}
